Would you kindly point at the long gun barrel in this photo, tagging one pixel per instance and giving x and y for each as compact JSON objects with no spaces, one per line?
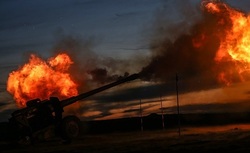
{"x":74,"y":99}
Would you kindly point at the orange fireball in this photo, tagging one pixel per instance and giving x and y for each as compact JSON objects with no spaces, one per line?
{"x":234,"y":45}
{"x":41,"y":79}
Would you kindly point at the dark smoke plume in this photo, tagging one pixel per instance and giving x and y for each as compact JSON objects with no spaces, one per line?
{"x":101,"y":75}
{"x":192,"y":54}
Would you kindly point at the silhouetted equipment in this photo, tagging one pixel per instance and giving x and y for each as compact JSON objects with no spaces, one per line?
{"x":40,"y":115}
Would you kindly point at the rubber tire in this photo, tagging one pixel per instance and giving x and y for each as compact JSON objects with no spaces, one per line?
{"x":70,"y":127}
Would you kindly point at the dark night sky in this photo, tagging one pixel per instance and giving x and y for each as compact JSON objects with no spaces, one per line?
{"x":119,"y":29}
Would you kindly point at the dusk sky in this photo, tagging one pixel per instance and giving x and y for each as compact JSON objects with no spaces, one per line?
{"x":114,"y":33}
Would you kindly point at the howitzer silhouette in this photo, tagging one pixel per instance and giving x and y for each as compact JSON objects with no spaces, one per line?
{"x":39,"y":115}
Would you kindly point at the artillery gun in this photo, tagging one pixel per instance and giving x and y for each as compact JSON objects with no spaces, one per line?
{"x":39,"y":115}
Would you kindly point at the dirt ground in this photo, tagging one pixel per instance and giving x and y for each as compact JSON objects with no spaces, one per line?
{"x":226,"y":138}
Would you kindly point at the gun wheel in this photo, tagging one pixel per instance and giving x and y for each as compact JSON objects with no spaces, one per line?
{"x":70,"y":127}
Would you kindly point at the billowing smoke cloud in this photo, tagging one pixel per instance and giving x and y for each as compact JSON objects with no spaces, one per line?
{"x":188,"y":49}
{"x":101,"y":75}
{"x":192,"y":54}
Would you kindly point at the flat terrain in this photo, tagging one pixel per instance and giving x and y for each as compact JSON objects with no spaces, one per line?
{"x":226,"y":138}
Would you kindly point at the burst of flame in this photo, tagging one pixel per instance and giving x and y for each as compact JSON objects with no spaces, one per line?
{"x":41,"y":79}
{"x":235,"y":44}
